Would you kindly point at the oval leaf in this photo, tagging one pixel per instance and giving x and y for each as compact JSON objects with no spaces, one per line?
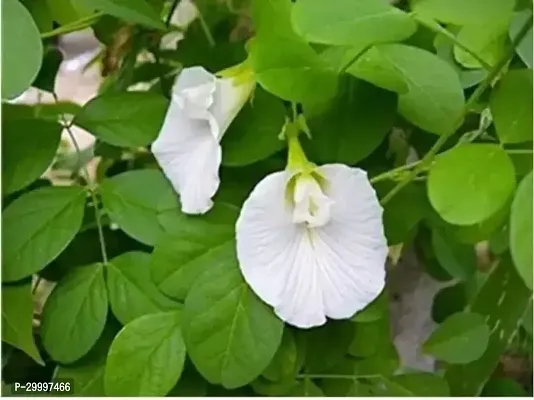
{"x":462,"y":338}
{"x":131,"y":291}
{"x":470,"y":183}
{"x":75,"y":314}
{"x":40,"y":225}
{"x":464,"y":12}
{"x":22,"y":49}
{"x":147,"y":356}
{"x":128,"y":119}
{"x":231,"y":336}
{"x":521,"y":230}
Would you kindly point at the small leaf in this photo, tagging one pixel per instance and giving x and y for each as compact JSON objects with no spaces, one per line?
{"x":194,"y":245}
{"x":147,"y":356}
{"x":75,"y":314}
{"x":306,"y":388}
{"x":354,"y":125}
{"x":449,"y":300}
{"x":524,"y":48}
{"x":432,"y":104}
{"x":347,"y":22}
{"x":458,"y":259}
{"x":463,"y":12}
{"x":419,"y":384}
{"x":135,"y":11}
{"x":470,"y":183}
{"x":22,"y":49}
{"x":141,"y":213}
{"x":460,"y":339}
{"x":40,"y":225}
{"x":231,"y":336}
{"x":376,"y":310}
{"x":253,"y":135}
{"x":17,"y":317}
{"x":132,"y":293}
{"x":285,"y":363}
{"x":28,"y":148}
{"x":511,"y":106}
{"x":128,"y":119}
{"x":521,"y":230}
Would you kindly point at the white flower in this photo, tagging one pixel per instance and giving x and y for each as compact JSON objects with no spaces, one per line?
{"x":187,"y":148}
{"x":310,"y":243}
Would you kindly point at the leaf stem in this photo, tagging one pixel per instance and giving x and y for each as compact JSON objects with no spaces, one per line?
{"x":429,"y":157}
{"x":90,"y":187}
{"x":391,"y":173}
{"x":437,"y":28}
{"x":335,"y":376}
{"x":206,"y":29}
{"x":75,"y":26}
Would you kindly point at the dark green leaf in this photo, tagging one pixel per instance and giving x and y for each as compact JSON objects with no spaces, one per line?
{"x":524,"y":48}
{"x":458,"y":259}
{"x":135,"y":11}
{"x":75,"y":314}
{"x":46,"y":79}
{"x":40,"y":225}
{"x":306,"y":388}
{"x":503,"y":387}
{"x":411,"y":385}
{"x":376,"y":310}
{"x":448,"y":301}
{"x":285,"y":363}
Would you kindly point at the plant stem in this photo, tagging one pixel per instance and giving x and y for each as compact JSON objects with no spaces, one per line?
{"x":391,"y":173}
{"x":75,"y":26}
{"x":429,"y":157}
{"x":335,"y":376}
{"x":206,"y":29}
{"x":90,"y":187}
{"x":437,"y":28}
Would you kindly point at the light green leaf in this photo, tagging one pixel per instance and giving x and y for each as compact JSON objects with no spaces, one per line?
{"x":458,"y":259}
{"x":194,"y":245}
{"x":284,"y":63}
{"x":433,"y":104}
{"x":419,"y":384}
{"x":376,"y":310}
{"x":28,"y":148}
{"x":147,"y":356}
{"x":306,"y":388}
{"x":521,"y":230}
{"x":348,"y":22}
{"x":40,"y":225}
{"x":525,"y":47}
{"x":134,"y":11}
{"x":470,"y":183}
{"x":17,"y":318}
{"x":502,"y":301}
{"x":511,"y":106}
{"x":372,"y":339}
{"x":22,"y":50}
{"x":463,"y":12}
{"x":354,"y":125}
{"x":231,"y":336}
{"x":460,"y":339}
{"x":253,"y":135}
{"x":132,"y":293}
{"x":127,"y":119}
{"x":75,"y":314}
{"x":140,"y":202}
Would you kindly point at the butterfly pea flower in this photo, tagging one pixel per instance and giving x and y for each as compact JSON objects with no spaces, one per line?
{"x":310,"y":240}
{"x":188,"y":149}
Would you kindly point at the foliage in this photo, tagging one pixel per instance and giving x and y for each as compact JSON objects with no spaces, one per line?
{"x":432,"y":97}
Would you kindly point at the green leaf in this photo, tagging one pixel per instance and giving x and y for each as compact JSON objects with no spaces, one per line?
{"x":75,"y":314}
{"x":411,"y":385}
{"x":253,"y":135}
{"x":285,"y":363}
{"x":46,"y":78}
{"x":147,"y":356}
{"x":354,"y":125}
{"x":502,"y":301}
{"x":347,"y":22}
{"x":127,"y":119}
{"x":458,"y":259}
{"x":524,"y":48}
{"x":449,"y":300}
{"x":511,"y":106}
{"x":131,"y":292}
{"x":141,"y":213}
{"x":191,"y":383}
{"x":28,"y":148}
{"x":284,"y":63}
{"x":17,"y":318}
{"x":431,"y":104}
{"x":460,"y":339}
{"x":22,"y":50}
{"x":134,"y":11}
{"x":40,"y":225}
{"x":306,"y":388}
{"x":231,"y":336}
{"x":521,"y":230}
{"x":463,"y":12}
{"x":194,"y":245}
{"x":504,"y":387}
{"x":470,"y":183}
{"x":372,"y":338}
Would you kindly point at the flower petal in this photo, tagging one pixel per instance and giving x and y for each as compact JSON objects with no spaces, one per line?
{"x":308,"y":274}
{"x":190,"y":158}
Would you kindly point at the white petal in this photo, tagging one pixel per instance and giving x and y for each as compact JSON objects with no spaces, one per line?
{"x":308,"y":274}
{"x":190,"y":158}
{"x":192,"y":77}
